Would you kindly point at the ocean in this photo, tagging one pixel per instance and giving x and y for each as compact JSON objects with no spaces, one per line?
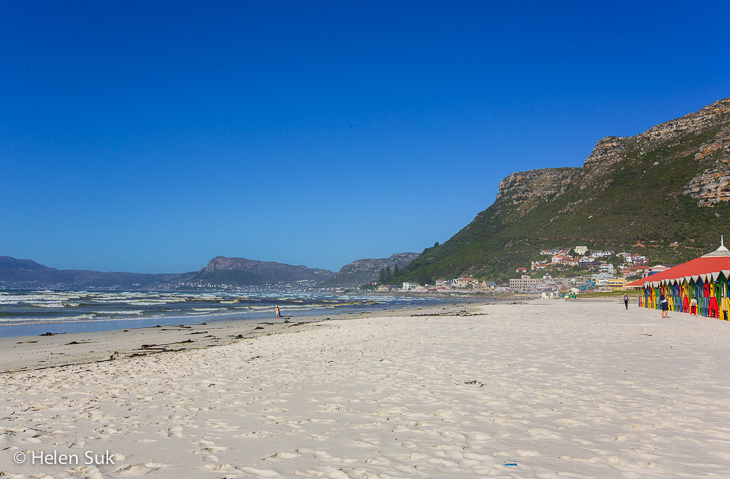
{"x":36,"y":312}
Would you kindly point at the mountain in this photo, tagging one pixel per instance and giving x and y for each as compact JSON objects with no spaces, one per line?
{"x":365,"y":271}
{"x":663,"y":193}
{"x":246,"y":272}
{"x":26,"y":273}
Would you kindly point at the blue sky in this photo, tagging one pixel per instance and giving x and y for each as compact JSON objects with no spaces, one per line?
{"x":153,"y":136}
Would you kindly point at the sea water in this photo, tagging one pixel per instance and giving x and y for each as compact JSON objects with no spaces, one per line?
{"x":36,"y":312}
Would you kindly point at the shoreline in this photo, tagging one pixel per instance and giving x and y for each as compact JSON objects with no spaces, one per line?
{"x":42,"y":351}
{"x":31,"y":327}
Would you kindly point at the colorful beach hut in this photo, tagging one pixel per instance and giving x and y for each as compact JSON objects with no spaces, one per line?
{"x":704,"y":280}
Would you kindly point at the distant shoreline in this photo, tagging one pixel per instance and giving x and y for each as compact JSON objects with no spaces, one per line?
{"x":42,"y":326}
{"x":42,"y":350}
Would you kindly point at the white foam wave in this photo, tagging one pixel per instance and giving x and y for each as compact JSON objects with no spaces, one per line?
{"x":130,"y":312}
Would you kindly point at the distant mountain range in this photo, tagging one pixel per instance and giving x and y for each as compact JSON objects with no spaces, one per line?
{"x":365,"y":271}
{"x":24,"y":273}
{"x":663,"y":193}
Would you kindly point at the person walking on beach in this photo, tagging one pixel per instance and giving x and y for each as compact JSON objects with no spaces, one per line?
{"x":278,"y":311}
{"x":626,"y":300}
{"x":664,"y":305}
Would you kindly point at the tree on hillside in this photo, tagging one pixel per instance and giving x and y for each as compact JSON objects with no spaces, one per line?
{"x":381,"y":278}
{"x":388,"y":274}
{"x":395,"y":270}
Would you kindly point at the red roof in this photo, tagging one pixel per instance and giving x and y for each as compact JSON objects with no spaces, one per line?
{"x":692,"y":269}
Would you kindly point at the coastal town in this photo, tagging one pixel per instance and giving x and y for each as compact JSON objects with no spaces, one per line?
{"x":557,"y":273}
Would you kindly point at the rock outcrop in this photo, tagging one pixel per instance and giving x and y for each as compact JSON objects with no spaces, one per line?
{"x":247,"y":272}
{"x":713,"y":184}
{"x":526,"y":189}
{"x":365,"y":271}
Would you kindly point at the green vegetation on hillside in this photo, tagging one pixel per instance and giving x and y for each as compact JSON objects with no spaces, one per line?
{"x":637,"y":204}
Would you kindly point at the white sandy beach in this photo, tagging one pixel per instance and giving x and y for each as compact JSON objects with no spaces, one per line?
{"x":559,"y":389}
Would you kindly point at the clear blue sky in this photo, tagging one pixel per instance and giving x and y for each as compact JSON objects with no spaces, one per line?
{"x":152,"y":136}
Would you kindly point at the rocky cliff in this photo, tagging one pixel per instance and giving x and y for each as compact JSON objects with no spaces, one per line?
{"x":247,"y":272}
{"x":709,"y":186}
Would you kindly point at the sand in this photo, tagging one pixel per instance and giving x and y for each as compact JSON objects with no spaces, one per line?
{"x":540,"y":390}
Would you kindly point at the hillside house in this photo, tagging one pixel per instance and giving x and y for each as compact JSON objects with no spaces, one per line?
{"x":568,"y":261}
{"x":636,"y":259}
{"x":581,"y":250}
{"x":538,"y":265}
{"x":634,"y":270}
{"x":606,"y":268}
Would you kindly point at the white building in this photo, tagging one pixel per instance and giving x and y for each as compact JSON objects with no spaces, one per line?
{"x":525,"y":283}
{"x":599,"y":276}
{"x":581,"y":250}
{"x":409,"y":286}
{"x":606,"y":268}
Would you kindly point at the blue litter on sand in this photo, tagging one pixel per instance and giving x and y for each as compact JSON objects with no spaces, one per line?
{"x":510,"y":463}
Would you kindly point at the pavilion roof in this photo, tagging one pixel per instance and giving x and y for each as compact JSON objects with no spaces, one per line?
{"x":701,"y":267}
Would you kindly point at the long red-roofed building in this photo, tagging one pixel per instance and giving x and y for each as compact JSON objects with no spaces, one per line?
{"x":703,"y":281}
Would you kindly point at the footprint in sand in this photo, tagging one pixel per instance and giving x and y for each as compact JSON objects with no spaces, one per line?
{"x":139,"y":469}
{"x":210,"y":450}
{"x":259,"y":472}
{"x":87,"y":472}
{"x":281,"y":455}
{"x":219,"y":467}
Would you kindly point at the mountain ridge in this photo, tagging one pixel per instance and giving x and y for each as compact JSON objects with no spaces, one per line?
{"x":367,"y":270}
{"x":645,"y":191}
{"x":247,"y":272}
{"x":25,"y":273}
